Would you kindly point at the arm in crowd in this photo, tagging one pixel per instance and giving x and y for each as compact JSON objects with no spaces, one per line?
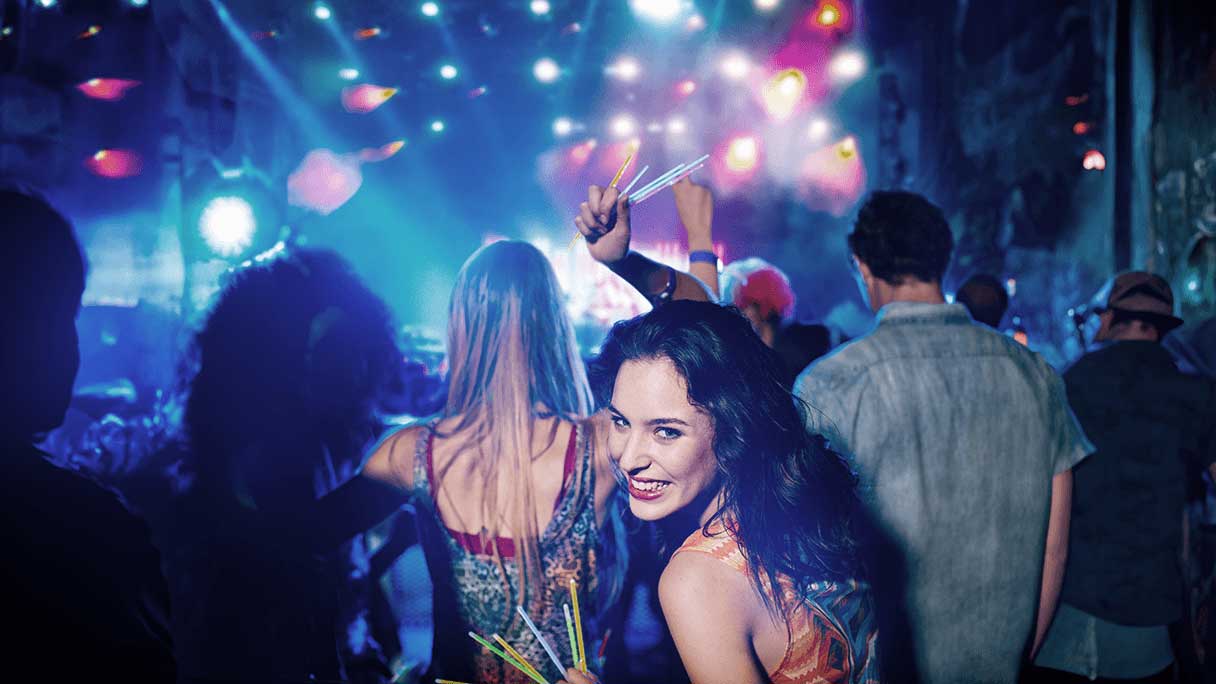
{"x":604,"y":221}
{"x":1055,"y":556}
{"x":695,"y":205}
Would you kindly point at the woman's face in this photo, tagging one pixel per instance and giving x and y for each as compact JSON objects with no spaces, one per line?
{"x":662,"y":443}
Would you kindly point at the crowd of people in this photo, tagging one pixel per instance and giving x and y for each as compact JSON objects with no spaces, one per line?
{"x":930,"y":502}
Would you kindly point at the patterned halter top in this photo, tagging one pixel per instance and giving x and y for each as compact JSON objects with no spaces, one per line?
{"x":475,"y":592}
{"x":832,"y":633}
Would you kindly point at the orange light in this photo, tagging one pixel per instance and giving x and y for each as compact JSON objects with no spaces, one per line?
{"x":1094,"y":161}
{"x":90,"y":31}
{"x":828,"y":14}
{"x":365,"y":33}
{"x":1074,"y":100}
{"x":1081,"y":127}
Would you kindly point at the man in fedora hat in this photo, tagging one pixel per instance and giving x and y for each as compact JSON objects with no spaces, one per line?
{"x":1155,"y":430}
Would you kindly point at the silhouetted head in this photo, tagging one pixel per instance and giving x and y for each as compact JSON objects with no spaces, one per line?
{"x":42,"y":275}
{"x":900,"y":239}
{"x":295,"y":347}
{"x":985,"y":298}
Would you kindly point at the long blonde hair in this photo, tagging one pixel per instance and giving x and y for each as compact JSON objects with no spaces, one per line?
{"x":513,"y":359}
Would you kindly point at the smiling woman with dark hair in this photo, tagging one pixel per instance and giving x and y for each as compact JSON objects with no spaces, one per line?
{"x":709,"y":440}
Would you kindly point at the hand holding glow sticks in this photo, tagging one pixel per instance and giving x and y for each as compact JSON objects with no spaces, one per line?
{"x":604,"y":220}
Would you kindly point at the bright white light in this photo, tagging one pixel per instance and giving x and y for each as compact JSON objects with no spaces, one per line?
{"x":430,"y":9}
{"x":227,"y":225}
{"x":322,"y":11}
{"x":847,"y":65}
{"x":623,"y":126}
{"x":767,"y":5}
{"x":448,"y":71}
{"x":735,"y":66}
{"x":657,"y":11}
{"x":47,"y":3}
{"x":818,"y":130}
{"x":676,"y":125}
{"x":348,"y":74}
{"x":562,"y":127}
{"x":625,"y":68}
{"x":437,"y":126}
{"x":139,"y":3}
{"x":539,"y":7}
{"x":742,"y":154}
{"x":546,"y":70}
{"x":695,"y":23}
{"x":654,"y":127}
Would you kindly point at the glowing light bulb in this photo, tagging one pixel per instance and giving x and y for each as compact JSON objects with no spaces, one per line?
{"x":742,"y":154}
{"x":539,"y":7}
{"x":625,"y":69}
{"x":828,"y":14}
{"x":546,"y":70}
{"x":623,"y":126}
{"x":348,"y":74}
{"x":1094,"y":161}
{"x":562,"y":127}
{"x":847,"y":65}
{"x":448,"y":72}
{"x":322,"y":11}
{"x":766,"y":5}
{"x":437,"y":126}
{"x":657,"y":11}
{"x":430,"y":9}
{"x":735,"y":66}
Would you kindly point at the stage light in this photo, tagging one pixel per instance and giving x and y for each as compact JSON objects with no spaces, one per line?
{"x":322,"y":11}
{"x":368,"y":32}
{"x":539,"y":7}
{"x":1081,"y":127}
{"x":139,"y":3}
{"x":546,"y":70}
{"x":657,"y":11}
{"x":623,"y":126}
{"x":47,"y":4}
{"x":735,"y":66}
{"x":348,"y":74}
{"x":783,"y":92}
{"x":109,"y":89}
{"x":676,"y":126}
{"x":625,"y":69}
{"x":115,"y":163}
{"x":227,"y":225}
{"x":687,"y":87}
{"x":654,"y":127}
{"x":818,"y":130}
{"x":437,"y":126}
{"x":847,"y":65}
{"x":695,"y":23}
{"x":766,"y":5}
{"x":847,"y":149}
{"x":365,"y":97}
{"x":1094,"y":161}
{"x":448,"y":72}
{"x":828,"y":14}
{"x":742,"y":154}
{"x":430,"y":9}
{"x":562,"y":127}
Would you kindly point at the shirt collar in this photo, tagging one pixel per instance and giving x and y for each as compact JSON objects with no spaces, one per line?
{"x":920,"y":312}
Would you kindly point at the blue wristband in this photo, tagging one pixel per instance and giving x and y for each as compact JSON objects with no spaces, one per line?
{"x":702,"y":256}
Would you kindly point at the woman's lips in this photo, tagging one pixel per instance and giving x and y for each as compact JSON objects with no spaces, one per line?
{"x":646,"y":489}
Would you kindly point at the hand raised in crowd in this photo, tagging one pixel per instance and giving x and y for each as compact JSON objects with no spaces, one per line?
{"x":573,"y":676}
{"x":604,"y":221}
{"x":695,"y":205}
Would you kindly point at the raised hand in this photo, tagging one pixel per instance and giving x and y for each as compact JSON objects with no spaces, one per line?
{"x":695,"y":205}
{"x":604,"y":221}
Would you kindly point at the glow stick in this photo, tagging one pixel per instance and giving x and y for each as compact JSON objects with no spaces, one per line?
{"x":570,"y":633}
{"x":493,"y":649}
{"x":578,"y":626}
{"x":659,"y":181}
{"x":539,"y":637}
{"x":635,"y":180}
{"x":683,"y":173}
{"x":621,"y":171}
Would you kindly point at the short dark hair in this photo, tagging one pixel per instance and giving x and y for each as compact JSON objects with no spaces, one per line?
{"x":985,"y":298}
{"x":901,"y":234}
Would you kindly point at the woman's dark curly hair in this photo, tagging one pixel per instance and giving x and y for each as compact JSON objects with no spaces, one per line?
{"x":789,"y":500}
{"x":900,"y":234}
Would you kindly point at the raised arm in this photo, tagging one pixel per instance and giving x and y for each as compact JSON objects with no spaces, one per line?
{"x":604,"y":221}
{"x":696,"y":207}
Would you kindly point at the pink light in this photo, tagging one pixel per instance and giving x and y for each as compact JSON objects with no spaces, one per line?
{"x":478,"y":92}
{"x":365,"y":33}
{"x":324,"y":181}
{"x":115,"y":163}
{"x":687,"y":87}
{"x":1094,"y":161}
{"x":365,"y":97}
{"x":376,"y":154}
{"x":833,"y":177}
{"x":109,"y":89}
{"x":581,"y":152}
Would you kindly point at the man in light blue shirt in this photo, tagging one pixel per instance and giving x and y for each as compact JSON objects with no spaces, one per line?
{"x":963,"y":442}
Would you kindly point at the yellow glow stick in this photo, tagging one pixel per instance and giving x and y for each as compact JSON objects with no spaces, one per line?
{"x":516,"y":655}
{"x":621,"y":171}
{"x":578,"y":627}
{"x":511,"y":661}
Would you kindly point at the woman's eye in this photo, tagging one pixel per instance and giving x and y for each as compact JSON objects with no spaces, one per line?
{"x":668,"y":433}
{"x":620,"y":422}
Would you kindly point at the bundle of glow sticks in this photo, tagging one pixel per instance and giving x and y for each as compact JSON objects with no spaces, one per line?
{"x":504,"y":650}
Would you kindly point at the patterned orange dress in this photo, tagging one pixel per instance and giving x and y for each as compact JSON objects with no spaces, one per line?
{"x":833,"y":630}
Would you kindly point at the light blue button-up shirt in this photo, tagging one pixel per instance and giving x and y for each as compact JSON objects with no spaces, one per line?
{"x":956,"y":432}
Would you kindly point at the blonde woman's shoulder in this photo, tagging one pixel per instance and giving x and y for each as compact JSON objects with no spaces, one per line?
{"x":392,"y":461}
